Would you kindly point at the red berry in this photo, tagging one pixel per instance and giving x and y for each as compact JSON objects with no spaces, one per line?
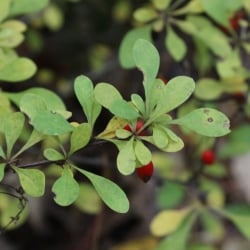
{"x":208,"y":156}
{"x":145,"y":172}
{"x":239,"y":97}
{"x":138,"y":127}
{"x":234,"y":21}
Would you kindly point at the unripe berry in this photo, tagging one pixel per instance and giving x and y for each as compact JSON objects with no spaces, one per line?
{"x":208,"y":157}
{"x":145,"y":172}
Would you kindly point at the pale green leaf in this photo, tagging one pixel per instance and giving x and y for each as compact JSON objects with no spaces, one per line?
{"x":205,"y":121}
{"x":126,"y":158}
{"x":66,"y":188}
{"x":175,"y":143}
{"x":52,"y":154}
{"x":51,"y":123}
{"x":110,"y":193}
{"x":80,"y":137}
{"x":34,"y":138}
{"x":147,"y":60}
{"x":84,"y":91}
{"x":123,"y":109}
{"x":19,"y":7}
{"x":161,"y":4}
{"x":31,"y":180}
{"x":145,"y":14}
{"x":19,"y":69}
{"x":4,"y":9}
{"x":175,"y":45}
{"x":138,"y":102}
{"x":142,"y":153}
{"x":106,"y":94}
{"x":12,"y":128}
{"x":126,"y":48}
{"x":160,"y":137}
{"x":176,"y":92}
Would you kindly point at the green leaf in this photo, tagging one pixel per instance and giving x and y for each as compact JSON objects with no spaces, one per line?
{"x":126,"y":158}
{"x":79,"y":137}
{"x":192,"y":7}
{"x":10,"y":38}
{"x":32,"y":104}
{"x":208,"y":89}
{"x":2,"y":167}
{"x":176,"y":92}
{"x":51,"y":123}
{"x":145,"y":14}
{"x":175,"y":45}
{"x":84,"y":91}
{"x":106,"y":94}
{"x":161,"y":4}
{"x":19,"y":7}
{"x":170,"y":195}
{"x":205,"y":121}
{"x":17,"y":70}
{"x":160,"y":137}
{"x":126,"y":48}
{"x":221,"y":11}
{"x":12,"y":128}
{"x":65,"y":188}
{"x":178,"y":239}
{"x":109,"y":97}
{"x":2,"y":154}
{"x":139,"y":103}
{"x":111,"y":194}
{"x":4,"y":9}
{"x":88,"y":200}
{"x":172,"y":219}
{"x":52,"y":154}
{"x":31,"y":180}
{"x":175,"y":143}
{"x":123,"y":109}
{"x":241,"y":221}
{"x":142,"y":153}
{"x":34,"y":138}
{"x":147,"y":60}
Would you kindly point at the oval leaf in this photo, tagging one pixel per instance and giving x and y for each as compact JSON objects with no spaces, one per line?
{"x":31,"y":180}
{"x":17,"y":70}
{"x":80,"y":137}
{"x":51,"y":123}
{"x":52,"y":154}
{"x":205,"y":121}
{"x":126,"y":49}
{"x":126,"y":158}
{"x":168,"y":221}
{"x":142,"y":153}
{"x":111,"y":194}
{"x":65,"y":188}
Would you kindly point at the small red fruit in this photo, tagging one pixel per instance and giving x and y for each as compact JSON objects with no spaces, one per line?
{"x":208,"y":156}
{"x":234,"y":21}
{"x":139,"y":125}
{"x":145,"y":172}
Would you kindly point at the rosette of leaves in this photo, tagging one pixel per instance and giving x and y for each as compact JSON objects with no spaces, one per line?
{"x":12,"y":67}
{"x":160,"y":99}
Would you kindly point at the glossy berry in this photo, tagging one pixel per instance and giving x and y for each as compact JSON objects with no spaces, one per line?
{"x":138,"y":127}
{"x":145,"y":172}
{"x":208,"y":157}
